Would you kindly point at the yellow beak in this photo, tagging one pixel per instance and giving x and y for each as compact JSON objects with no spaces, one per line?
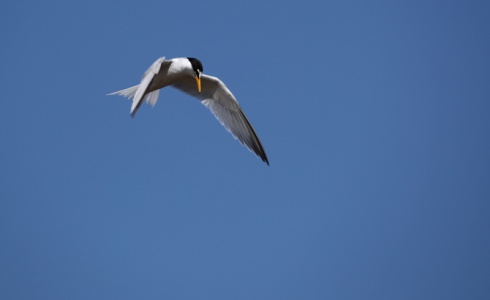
{"x":198,"y":80}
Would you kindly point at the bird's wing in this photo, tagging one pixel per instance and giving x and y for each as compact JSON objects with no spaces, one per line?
{"x":146,"y":80}
{"x":218,"y":98}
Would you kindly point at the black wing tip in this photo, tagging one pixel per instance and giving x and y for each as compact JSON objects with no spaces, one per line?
{"x":264,"y":158}
{"x":256,"y":145}
{"x":260,"y":152}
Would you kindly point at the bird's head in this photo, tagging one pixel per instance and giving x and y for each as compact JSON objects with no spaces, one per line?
{"x":198,"y":69}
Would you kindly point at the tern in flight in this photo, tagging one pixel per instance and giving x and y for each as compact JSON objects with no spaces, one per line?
{"x":185,"y":74}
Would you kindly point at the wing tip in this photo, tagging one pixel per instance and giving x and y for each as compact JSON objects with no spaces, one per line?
{"x":261,"y":154}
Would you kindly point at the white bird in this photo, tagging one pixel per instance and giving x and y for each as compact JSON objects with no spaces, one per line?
{"x":186,"y":75}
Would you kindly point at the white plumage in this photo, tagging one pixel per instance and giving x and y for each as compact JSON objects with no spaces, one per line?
{"x":186,"y":75}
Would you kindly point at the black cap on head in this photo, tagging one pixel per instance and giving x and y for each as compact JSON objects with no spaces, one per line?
{"x":196,"y":64}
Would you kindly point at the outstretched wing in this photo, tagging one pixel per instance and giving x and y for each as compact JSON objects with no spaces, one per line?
{"x":218,"y":98}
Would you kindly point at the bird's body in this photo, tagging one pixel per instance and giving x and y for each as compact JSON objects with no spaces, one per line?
{"x":186,"y":75}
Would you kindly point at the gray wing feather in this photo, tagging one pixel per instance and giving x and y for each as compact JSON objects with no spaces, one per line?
{"x":218,"y":98}
{"x":143,"y":86}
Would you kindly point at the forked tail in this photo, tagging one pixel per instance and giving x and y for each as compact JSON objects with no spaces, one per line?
{"x":128,"y":93}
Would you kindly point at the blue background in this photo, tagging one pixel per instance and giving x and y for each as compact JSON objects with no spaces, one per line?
{"x":374,"y":115}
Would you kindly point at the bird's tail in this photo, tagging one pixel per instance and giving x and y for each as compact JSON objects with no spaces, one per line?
{"x":128,"y":93}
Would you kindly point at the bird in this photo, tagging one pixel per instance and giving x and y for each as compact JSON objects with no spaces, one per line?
{"x":186,"y":75}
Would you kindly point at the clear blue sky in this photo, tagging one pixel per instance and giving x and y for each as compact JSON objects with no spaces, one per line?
{"x":375,"y":116}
